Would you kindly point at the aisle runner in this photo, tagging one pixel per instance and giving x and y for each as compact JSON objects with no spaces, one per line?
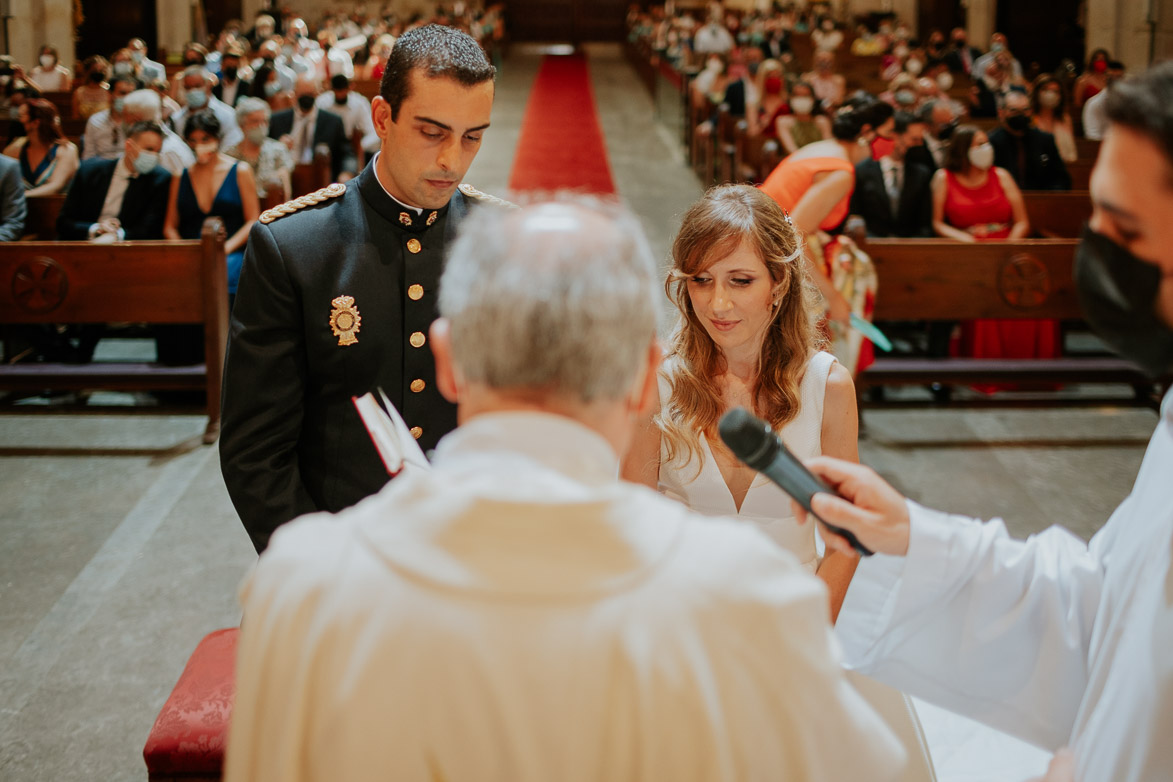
{"x":561,"y":145}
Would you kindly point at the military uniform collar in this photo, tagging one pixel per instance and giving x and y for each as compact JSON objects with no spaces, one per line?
{"x":391,"y":209}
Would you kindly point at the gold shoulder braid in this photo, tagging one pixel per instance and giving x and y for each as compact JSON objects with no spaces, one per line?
{"x":310,"y":199}
{"x":476,"y":195}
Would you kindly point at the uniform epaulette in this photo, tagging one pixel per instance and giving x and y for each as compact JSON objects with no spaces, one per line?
{"x":476,"y":195}
{"x":309,"y":199}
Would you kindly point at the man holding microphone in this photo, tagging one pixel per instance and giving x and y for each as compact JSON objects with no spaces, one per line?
{"x":1061,"y":643}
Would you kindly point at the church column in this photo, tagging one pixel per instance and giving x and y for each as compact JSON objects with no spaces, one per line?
{"x":35,"y":23}
{"x":174,"y":24}
{"x":1122,"y":27}
{"x":980,"y":18}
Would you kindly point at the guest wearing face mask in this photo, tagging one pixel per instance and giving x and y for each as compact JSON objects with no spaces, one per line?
{"x":826,"y":37}
{"x":195,"y":55}
{"x":269,"y":54}
{"x":1027,"y":153}
{"x":304,"y":127}
{"x":104,"y":134}
{"x":267,"y":87}
{"x":215,"y":185}
{"x":960,"y":56}
{"x":120,"y":199}
{"x":829,"y":87}
{"x":1093,"y":80}
{"x":775,"y":101}
{"x":122,"y":64}
{"x":940,"y":118}
{"x":197,"y":94}
{"x":93,"y":94}
{"x":270,"y":160}
{"x":355,"y":111}
{"x":1095,"y":111}
{"x":999,"y":45}
{"x":48,"y":160}
{"x":50,"y":75}
{"x":806,"y":123}
{"x":147,"y":106}
{"x":232,"y":85}
{"x":1049,"y":106}
{"x":976,"y":201}
{"x":149,"y":70}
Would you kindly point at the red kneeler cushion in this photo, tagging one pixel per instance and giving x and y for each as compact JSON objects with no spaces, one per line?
{"x":188,"y":738}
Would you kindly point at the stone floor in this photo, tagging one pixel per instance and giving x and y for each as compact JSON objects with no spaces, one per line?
{"x":121,"y":550}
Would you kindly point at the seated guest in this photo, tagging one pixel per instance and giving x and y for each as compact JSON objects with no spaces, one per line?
{"x":267,"y":87}
{"x":270,"y":160}
{"x":149,"y":70}
{"x":830,"y":88}
{"x":551,"y":621}
{"x":1049,"y":106}
{"x":50,"y":75}
{"x":93,"y":95}
{"x":892,"y":194}
{"x":196,"y":87}
{"x":1095,"y":113}
{"x":147,"y":106}
{"x":214,"y":186}
{"x":103,"y":136}
{"x":940,"y":119}
{"x":48,"y":160}
{"x":13,"y":209}
{"x":170,"y":106}
{"x":806,"y":123}
{"x":120,"y":199}
{"x":303,"y":128}
{"x":231,"y":87}
{"x":355,"y":110}
{"x":1027,"y":153}
{"x":376,"y":62}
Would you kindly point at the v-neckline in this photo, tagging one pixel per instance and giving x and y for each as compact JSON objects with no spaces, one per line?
{"x":215,"y":193}
{"x":712,"y":460}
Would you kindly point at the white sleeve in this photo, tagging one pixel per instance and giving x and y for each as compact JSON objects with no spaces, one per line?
{"x":974,"y":621}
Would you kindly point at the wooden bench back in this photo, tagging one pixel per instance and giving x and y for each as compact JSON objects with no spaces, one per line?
{"x":62,"y":100}
{"x":41,"y":221}
{"x":150,"y":282}
{"x":308,"y":177}
{"x":368,"y":88}
{"x":936,"y":279}
{"x":1056,"y":215}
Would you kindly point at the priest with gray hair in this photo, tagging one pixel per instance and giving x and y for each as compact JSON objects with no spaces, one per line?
{"x":516,"y":612}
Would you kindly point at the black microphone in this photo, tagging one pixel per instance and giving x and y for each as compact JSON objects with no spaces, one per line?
{"x":753,"y":441}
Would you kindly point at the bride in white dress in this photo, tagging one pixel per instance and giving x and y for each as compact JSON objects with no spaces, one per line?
{"x":748,"y":338}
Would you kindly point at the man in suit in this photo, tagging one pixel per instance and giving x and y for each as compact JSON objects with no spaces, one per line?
{"x":892,"y":194}
{"x":231,"y":88}
{"x":304,"y":127}
{"x":1029,"y":154}
{"x":336,"y":299}
{"x":13,"y":209}
{"x":121,"y":199}
{"x":961,"y":56}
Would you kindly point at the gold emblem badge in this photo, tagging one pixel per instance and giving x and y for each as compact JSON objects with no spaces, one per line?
{"x":415,"y":292}
{"x":413,"y":245}
{"x":432,"y":218}
{"x":345,"y":320}
{"x":405,"y":218}
{"x":417,"y":339}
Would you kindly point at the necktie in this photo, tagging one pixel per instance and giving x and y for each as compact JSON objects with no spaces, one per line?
{"x":307,"y":141}
{"x":894,"y":189}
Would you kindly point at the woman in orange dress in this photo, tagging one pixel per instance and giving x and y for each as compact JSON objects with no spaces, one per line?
{"x":975,"y":201}
{"x":814,"y":186}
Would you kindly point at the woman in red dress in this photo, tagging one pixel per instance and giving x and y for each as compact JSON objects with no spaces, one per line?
{"x":975,"y":201}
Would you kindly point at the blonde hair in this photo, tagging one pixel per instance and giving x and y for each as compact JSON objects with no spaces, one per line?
{"x":726,"y":218}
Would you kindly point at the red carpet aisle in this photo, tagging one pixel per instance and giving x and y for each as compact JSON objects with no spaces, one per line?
{"x":561,"y":144}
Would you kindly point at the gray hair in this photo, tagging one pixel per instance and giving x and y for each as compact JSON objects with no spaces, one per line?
{"x":201,"y":71}
{"x":248,"y":106}
{"x":558,"y":296}
{"x":143,"y":105}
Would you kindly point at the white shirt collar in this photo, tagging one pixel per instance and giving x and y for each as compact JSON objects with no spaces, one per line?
{"x":375,"y":162}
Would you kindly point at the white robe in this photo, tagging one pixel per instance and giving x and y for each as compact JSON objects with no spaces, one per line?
{"x":1050,"y":639}
{"x":517,"y":613}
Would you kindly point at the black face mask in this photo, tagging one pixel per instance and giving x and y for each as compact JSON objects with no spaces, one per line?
{"x":230,"y":73}
{"x":1118,"y":295}
{"x":946,"y":131}
{"x":1018,"y":123}
{"x":305,"y":102}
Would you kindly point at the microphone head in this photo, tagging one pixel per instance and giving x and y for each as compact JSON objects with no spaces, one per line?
{"x":749,"y":438}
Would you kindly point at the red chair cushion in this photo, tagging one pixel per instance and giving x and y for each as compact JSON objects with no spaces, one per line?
{"x":191,"y":729}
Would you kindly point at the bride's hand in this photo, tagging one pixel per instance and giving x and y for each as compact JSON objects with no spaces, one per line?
{"x":1060,"y":769}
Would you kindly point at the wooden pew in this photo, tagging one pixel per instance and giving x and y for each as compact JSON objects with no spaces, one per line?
{"x":1081,"y":173}
{"x":73,"y":127}
{"x":63,"y":100}
{"x":41,"y":222}
{"x":368,"y":88}
{"x":941,"y":280}
{"x":141,"y":282}
{"x":1058,"y":215}
{"x":1087,"y":148}
{"x":308,"y":177}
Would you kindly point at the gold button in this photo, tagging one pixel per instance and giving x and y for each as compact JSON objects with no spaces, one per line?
{"x":413,"y":245}
{"x":417,"y":339}
{"x":417,"y":385}
{"x":415,"y":292}
{"x":417,"y":432}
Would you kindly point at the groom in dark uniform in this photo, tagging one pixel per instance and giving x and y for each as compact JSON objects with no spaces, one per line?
{"x":338,"y":290}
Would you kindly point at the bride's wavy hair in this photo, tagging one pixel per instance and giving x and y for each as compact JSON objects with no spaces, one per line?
{"x":727,"y":217}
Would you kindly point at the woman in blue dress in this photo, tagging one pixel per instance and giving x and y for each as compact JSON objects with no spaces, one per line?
{"x":215,"y":185}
